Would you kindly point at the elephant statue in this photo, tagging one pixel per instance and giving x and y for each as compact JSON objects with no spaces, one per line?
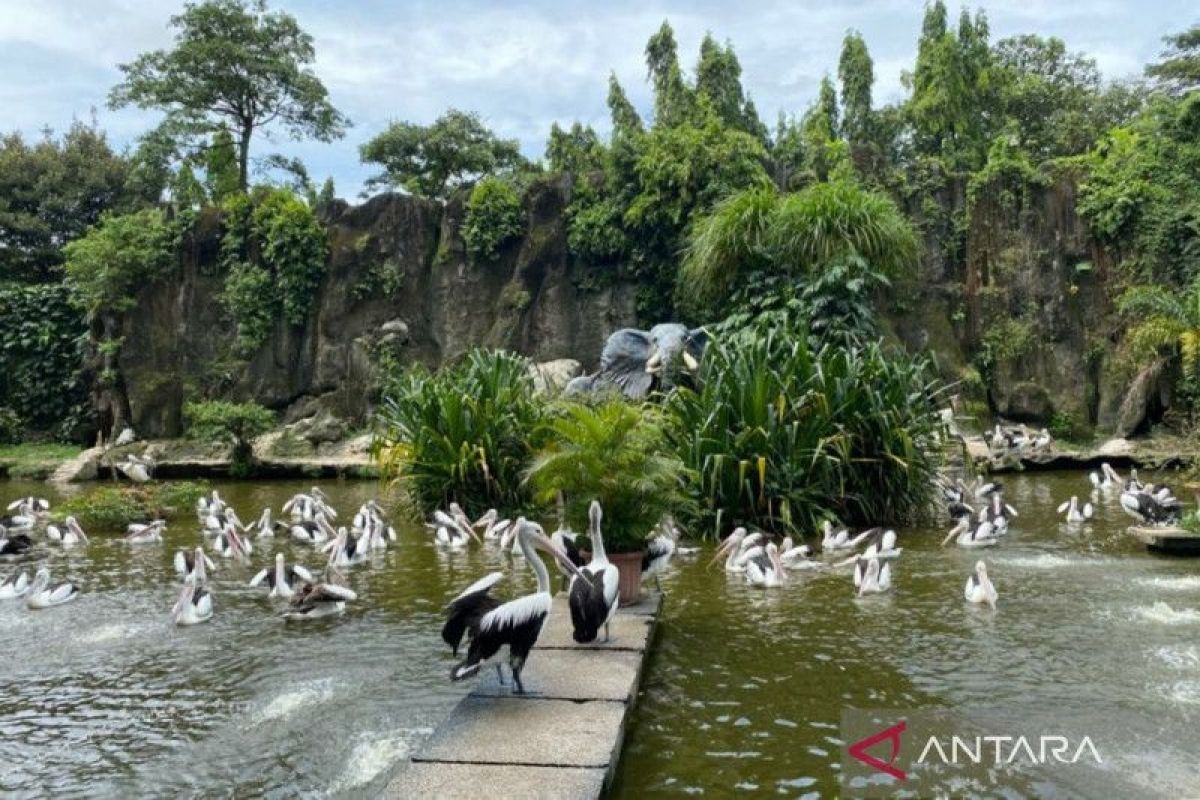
{"x":634,"y":361}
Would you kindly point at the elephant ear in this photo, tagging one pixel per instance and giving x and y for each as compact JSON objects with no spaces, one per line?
{"x":623,"y":362}
{"x":697,"y":340}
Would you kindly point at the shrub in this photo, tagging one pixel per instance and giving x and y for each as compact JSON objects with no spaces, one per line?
{"x":10,"y":426}
{"x":465,"y":433}
{"x":615,"y":453}
{"x":781,"y":437}
{"x":235,"y":423}
{"x":118,"y":256}
{"x":494,"y":217}
{"x":116,"y":506}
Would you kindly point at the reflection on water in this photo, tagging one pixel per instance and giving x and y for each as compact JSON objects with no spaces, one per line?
{"x":104,"y":696}
{"x":746,"y":686}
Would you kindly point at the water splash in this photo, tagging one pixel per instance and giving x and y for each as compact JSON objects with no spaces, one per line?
{"x":288,"y":703}
{"x":1162,"y":613}
{"x":374,"y":753}
{"x":1180,"y":584}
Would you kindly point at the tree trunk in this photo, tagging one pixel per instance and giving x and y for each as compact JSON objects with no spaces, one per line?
{"x":244,"y":155}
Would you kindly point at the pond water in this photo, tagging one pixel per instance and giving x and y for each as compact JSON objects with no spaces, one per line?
{"x":743,"y":694}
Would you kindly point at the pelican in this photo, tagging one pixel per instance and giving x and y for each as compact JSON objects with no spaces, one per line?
{"x":31,"y":506}
{"x":983,"y":491}
{"x":1149,"y":509}
{"x":877,"y":577}
{"x":20,"y":521}
{"x":68,"y":535}
{"x":1042,"y":440}
{"x":193,"y":563}
{"x":452,"y":530}
{"x":563,"y":538}
{"x":13,"y":544}
{"x":842,"y":540}
{"x":492,"y":625}
{"x":660,"y":549}
{"x":737,"y":545}
{"x":968,"y":536}
{"x":1106,"y":479}
{"x":42,"y":595}
{"x":230,"y":544}
{"x":14,"y":586}
{"x":145,"y":532}
{"x":208,"y":506}
{"x":282,"y":579}
{"x":316,"y":600}
{"x":1075,"y":514}
{"x":796,"y":558}
{"x":766,"y":571}
{"x":861,"y":562}
{"x":592,"y":595}
{"x":345,"y":549}
{"x":217,"y":522}
{"x":307,"y":507}
{"x":311,"y":531}
{"x":979,"y":588}
{"x":491,"y":523}
{"x":265,"y":527}
{"x":194,"y":604}
{"x":136,"y":468}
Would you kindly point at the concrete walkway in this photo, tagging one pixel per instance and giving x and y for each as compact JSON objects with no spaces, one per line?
{"x":560,"y":741}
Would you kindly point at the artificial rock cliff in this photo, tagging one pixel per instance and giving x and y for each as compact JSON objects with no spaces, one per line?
{"x":399,"y":281}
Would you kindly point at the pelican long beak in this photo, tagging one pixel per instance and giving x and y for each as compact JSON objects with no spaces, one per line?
{"x":723,"y":549}
{"x":953,"y":532}
{"x":542,"y":542}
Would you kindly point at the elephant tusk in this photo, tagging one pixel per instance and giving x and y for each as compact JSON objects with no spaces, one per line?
{"x":691,"y":362}
{"x":654,"y":363}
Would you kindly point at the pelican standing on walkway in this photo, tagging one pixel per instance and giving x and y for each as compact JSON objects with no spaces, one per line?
{"x":492,"y":625}
{"x":593,"y":593}
{"x":979,"y":588}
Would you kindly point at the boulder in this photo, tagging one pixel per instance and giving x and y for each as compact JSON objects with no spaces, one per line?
{"x":321,"y":427}
{"x":1133,"y":409}
{"x":1115,"y":448}
{"x":551,"y":377}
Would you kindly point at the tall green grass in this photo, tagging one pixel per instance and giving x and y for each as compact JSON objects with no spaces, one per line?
{"x":465,"y":433}
{"x":781,"y":437}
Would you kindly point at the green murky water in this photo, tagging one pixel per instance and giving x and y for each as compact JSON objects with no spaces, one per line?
{"x":743,"y":694}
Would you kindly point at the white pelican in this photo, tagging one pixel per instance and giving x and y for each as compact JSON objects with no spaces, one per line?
{"x":215,"y":523}
{"x":797,"y":557}
{"x":189,"y":563}
{"x":887,"y":545}
{"x":312,"y":531}
{"x":20,"y":521}
{"x":969,"y":536}
{"x":208,"y":506}
{"x":1075,"y":514}
{"x":452,"y":530}
{"x":265,"y":527}
{"x":13,"y":544}
{"x":230,"y":544}
{"x":766,"y":571}
{"x":313,"y":601}
{"x":194,"y":604}
{"x":492,"y":625}
{"x":307,"y":507}
{"x":345,"y":549}
{"x":42,"y":595}
{"x":861,"y":562}
{"x":592,"y":595}
{"x":1148,"y":509}
{"x":136,"y":468}
{"x":30,"y":506}
{"x":832,"y":541}
{"x":492,"y":525}
{"x":1106,"y":479}
{"x":659,"y":550}
{"x":984,"y":490}
{"x":1042,"y":440}
{"x":68,"y":535}
{"x":145,"y":532}
{"x":998,"y":512}
{"x":736,"y":545}
{"x":283,"y":580}
{"x":877,"y":578}
{"x":14,"y":586}
{"x":979,"y":588}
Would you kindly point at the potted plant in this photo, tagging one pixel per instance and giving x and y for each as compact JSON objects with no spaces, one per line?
{"x":615,"y":453}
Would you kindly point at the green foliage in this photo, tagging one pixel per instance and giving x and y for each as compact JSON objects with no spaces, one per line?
{"x":11,"y":428}
{"x":856,"y":73}
{"x":494,"y":217}
{"x":1165,"y":323}
{"x":433,"y":160}
{"x":233,"y":64}
{"x":782,"y":437}
{"x":113,"y":507}
{"x":594,"y":230}
{"x":118,"y":256}
{"x":275,"y":250}
{"x":793,"y":234}
{"x":1004,"y":339}
{"x":578,"y":150}
{"x":1179,"y":70}
{"x":34,"y":460}
{"x":719,"y":81}
{"x":235,"y":423}
{"x":42,"y":343}
{"x":615,"y":453}
{"x":674,"y":100}
{"x":221,"y":167}
{"x":51,"y":192}
{"x":465,"y":433}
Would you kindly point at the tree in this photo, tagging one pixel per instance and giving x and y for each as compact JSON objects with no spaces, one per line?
{"x":673,"y":98}
{"x":719,"y":78}
{"x":625,"y":118}
{"x":233,"y":64}
{"x":577,"y":150}
{"x":238,"y":424}
{"x":51,"y":192}
{"x":186,"y":191}
{"x":856,"y":74}
{"x":432,"y":160}
{"x":221,"y":171}
{"x":1179,"y":70}
{"x":118,"y":256}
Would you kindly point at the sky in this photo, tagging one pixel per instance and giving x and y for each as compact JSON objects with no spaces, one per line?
{"x":520,"y":65}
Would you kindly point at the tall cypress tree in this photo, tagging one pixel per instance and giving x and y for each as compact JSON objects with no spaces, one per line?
{"x":856,"y":73}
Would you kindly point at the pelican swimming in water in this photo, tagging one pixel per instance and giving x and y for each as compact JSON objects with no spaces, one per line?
{"x":998,"y":513}
{"x":452,"y":530}
{"x":492,"y":525}
{"x":887,"y":545}
{"x":14,"y":586}
{"x":189,"y":563}
{"x":42,"y":594}
{"x":797,"y":557}
{"x":31,"y":506}
{"x":215,"y":523}
{"x":145,"y":532}
{"x":13,"y":544}
{"x":1106,"y":479}
{"x":265,"y":527}
{"x":282,"y":579}
{"x":316,"y":600}
{"x":833,"y":541}
{"x":979,"y":588}
{"x":1075,"y":514}
{"x":766,"y":571}
{"x":860,"y":563}
{"x":69,"y":535}
{"x":209,"y":506}
{"x":735,"y":547}
{"x":312,"y":531}
{"x":345,"y":549}
{"x":592,"y":595}
{"x":659,"y":550}
{"x":492,"y":625}
{"x":877,"y":577}
{"x":194,"y":604}
{"x":967,"y":534}
{"x":230,"y":544}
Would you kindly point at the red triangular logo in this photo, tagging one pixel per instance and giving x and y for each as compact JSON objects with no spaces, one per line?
{"x":859,"y":750}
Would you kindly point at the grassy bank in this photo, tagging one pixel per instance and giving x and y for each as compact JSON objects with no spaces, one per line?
{"x":32,"y":460}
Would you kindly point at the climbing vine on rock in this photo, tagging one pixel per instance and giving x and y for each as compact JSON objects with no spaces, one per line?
{"x":494,"y":218}
{"x":274,"y":252}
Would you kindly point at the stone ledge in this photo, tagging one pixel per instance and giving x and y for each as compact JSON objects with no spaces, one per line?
{"x":447,"y":781}
{"x":572,"y":674}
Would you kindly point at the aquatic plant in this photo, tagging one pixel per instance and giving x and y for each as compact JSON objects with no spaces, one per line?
{"x":615,"y":453}
{"x":116,"y":506}
{"x":464,"y":433}
{"x":780,"y":436}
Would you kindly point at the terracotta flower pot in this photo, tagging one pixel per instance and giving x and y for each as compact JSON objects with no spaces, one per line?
{"x":629,"y":569}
